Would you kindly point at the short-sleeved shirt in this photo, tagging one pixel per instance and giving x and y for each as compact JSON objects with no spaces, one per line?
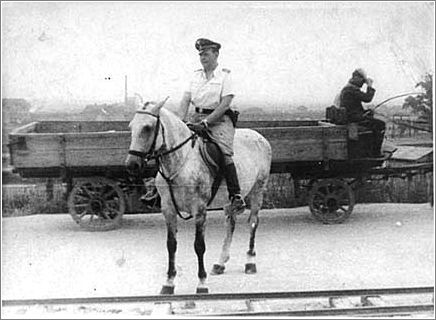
{"x":207,"y":94}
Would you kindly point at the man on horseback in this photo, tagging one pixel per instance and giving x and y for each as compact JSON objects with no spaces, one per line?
{"x":211,"y":92}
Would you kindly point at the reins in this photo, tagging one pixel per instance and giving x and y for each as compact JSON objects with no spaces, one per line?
{"x":157,"y":155}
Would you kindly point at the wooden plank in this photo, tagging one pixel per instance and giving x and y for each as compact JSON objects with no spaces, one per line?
{"x":38,"y":151}
{"x":326,"y":124}
{"x":306,"y":143}
{"x":81,"y":126}
{"x":275,"y":123}
{"x":101,"y":149}
{"x":258,"y":305}
{"x":376,"y":301}
{"x":342,"y":302}
{"x":31,"y":127}
{"x":161,"y":309}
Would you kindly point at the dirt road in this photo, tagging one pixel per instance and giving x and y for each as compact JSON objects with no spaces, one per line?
{"x":381,"y":245}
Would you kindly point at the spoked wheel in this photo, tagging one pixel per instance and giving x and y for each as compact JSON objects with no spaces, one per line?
{"x":97,"y":204}
{"x":331,"y":200}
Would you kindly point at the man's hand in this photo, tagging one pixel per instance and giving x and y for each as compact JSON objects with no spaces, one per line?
{"x":199,"y":128}
{"x":369,"y":82}
{"x":369,"y":113}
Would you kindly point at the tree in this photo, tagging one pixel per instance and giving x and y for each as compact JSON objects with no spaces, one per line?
{"x":422,"y":104}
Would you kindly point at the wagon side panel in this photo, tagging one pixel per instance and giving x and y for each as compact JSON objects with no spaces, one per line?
{"x":96,"y":149}
{"x":35,"y":150}
{"x":306,"y":143}
{"x":335,"y":142}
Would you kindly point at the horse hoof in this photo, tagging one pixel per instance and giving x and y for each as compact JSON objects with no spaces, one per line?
{"x":217,"y":269}
{"x":202,"y":290}
{"x":167,"y":290}
{"x":250,"y":268}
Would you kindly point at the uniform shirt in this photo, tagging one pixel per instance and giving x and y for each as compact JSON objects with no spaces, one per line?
{"x":207,"y":94}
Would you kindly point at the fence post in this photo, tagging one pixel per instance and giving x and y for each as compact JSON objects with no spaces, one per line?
{"x":49,"y":189}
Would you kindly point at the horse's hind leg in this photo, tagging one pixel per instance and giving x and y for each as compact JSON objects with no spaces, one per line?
{"x":256,"y":199}
{"x":171,"y":222}
{"x":253,"y":220}
{"x":219,"y":267}
{"x":200,"y":249}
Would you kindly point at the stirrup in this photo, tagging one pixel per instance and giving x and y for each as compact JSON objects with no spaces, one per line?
{"x":150,"y":195}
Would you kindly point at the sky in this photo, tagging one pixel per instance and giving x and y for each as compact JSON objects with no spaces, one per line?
{"x":291,"y":53}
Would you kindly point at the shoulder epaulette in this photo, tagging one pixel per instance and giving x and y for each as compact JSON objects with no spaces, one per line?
{"x":226,"y":70}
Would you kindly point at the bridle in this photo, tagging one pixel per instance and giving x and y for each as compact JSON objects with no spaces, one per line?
{"x":158,"y":154}
{"x":150,"y":154}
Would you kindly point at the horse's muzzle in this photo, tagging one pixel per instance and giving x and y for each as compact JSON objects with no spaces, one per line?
{"x":134,"y":165}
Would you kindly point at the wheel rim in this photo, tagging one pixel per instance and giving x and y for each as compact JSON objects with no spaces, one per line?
{"x":331,"y":200}
{"x":97,"y":204}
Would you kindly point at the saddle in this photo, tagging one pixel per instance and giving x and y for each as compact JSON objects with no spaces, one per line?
{"x":214,"y":159}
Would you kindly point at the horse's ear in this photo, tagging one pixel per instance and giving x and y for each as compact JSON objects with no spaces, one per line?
{"x":159,"y":105}
{"x":145,"y":105}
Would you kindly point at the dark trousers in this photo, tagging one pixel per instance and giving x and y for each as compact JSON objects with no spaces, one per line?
{"x":231,"y":178}
{"x":378,"y":128}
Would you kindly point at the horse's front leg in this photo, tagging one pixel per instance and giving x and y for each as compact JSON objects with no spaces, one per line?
{"x":219,"y":267}
{"x":171,"y":222}
{"x":200,"y":248}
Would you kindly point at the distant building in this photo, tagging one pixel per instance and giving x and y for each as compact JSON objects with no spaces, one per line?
{"x":111,"y":112}
{"x":15,"y":113}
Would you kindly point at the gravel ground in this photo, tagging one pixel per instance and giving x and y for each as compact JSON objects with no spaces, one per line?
{"x":380,"y":245}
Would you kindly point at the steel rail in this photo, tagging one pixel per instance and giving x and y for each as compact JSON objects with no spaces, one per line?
{"x":375,"y":310}
{"x":222,"y":296}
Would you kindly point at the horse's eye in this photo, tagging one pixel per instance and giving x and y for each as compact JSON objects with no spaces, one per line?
{"x":146,"y":129}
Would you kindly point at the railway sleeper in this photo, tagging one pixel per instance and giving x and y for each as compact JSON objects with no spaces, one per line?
{"x":392,"y":301}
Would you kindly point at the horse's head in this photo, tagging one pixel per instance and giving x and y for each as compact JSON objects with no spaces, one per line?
{"x":147,"y":136}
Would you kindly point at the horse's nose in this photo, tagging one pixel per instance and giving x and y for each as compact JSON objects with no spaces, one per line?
{"x":132,"y":166}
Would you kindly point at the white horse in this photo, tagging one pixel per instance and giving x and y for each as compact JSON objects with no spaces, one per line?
{"x":184,"y":181}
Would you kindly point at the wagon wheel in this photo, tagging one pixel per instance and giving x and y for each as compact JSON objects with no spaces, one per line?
{"x":97,"y":204}
{"x":331,"y":201}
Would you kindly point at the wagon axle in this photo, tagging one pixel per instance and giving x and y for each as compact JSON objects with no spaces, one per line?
{"x":332,"y":204}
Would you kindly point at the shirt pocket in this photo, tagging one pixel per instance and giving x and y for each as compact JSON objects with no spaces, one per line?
{"x":195,"y":87}
{"x":214,"y":89}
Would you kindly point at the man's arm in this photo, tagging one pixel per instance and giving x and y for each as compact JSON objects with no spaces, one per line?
{"x":220,"y":110}
{"x":184,"y":105}
{"x":368,"y":95}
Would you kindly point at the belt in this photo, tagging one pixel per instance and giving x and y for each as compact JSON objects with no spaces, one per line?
{"x":204,"y":111}
{"x":209,"y":111}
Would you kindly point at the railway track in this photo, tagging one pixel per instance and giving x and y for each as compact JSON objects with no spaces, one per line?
{"x":362,"y":302}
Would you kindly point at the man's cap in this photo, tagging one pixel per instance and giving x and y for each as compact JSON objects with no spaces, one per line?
{"x":361,"y":72}
{"x":204,"y":44}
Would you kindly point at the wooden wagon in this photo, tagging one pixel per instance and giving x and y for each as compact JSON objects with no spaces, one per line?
{"x":89,"y":156}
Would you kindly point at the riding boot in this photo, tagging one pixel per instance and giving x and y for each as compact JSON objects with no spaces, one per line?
{"x":237,"y":201}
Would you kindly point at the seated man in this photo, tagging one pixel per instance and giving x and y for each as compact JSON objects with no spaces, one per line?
{"x":351,"y":98}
